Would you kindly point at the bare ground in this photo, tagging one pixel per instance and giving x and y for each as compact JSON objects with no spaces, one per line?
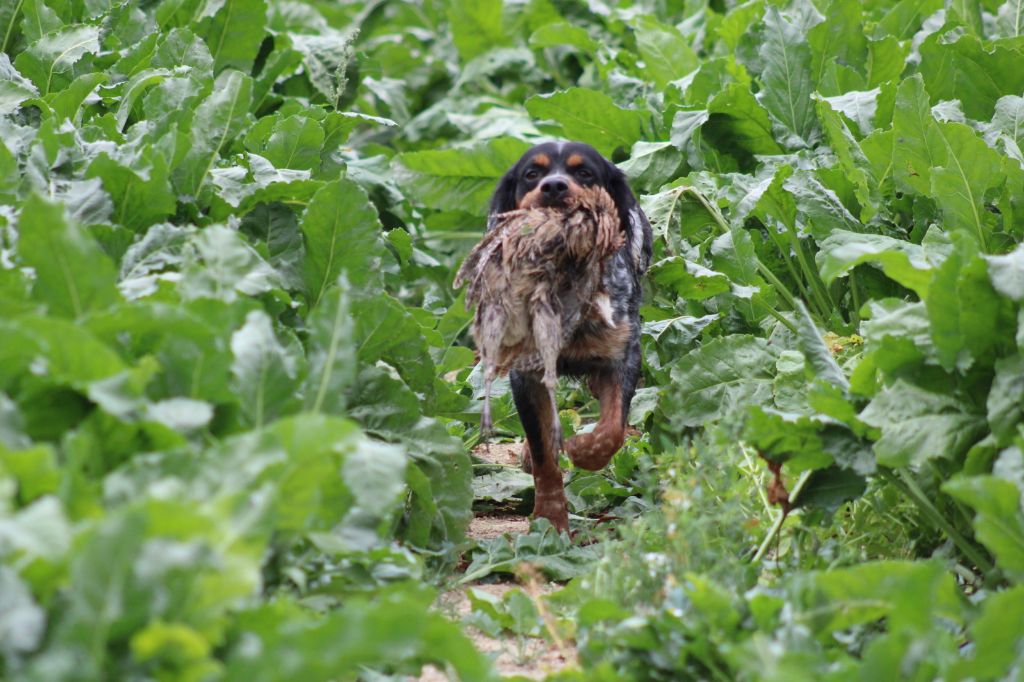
{"x":530,"y":657}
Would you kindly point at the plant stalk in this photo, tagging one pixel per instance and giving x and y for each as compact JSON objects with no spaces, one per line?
{"x":781,"y":517}
{"x":908,"y":486}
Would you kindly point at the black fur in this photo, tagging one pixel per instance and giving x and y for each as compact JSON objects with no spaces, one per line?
{"x":622,"y":275}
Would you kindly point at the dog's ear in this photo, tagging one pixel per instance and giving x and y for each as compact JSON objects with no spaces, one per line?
{"x":504,"y":198}
{"x":634,"y":222}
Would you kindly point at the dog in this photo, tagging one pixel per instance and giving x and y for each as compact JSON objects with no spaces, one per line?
{"x":605,"y":347}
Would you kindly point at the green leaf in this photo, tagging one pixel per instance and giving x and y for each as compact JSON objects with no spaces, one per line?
{"x":393,"y":628}
{"x":233,"y":29}
{"x":264,"y":370}
{"x":1010,"y":19}
{"x":218,"y":119}
{"x":918,"y":425}
{"x":502,"y":486}
{"x":812,"y":345}
{"x":218,"y":263}
{"x":1006,"y":398}
{"x":49,"y":61}
{"x":342,"y":235}
{"x":22,"y":620}
{"x":666,"y":54}
{"x":458,"y":179}
{"x":294,"y":142}
{"x":920,"y":146}
{"x":590,"y":116}
{"x":970,"y":170}
{"x":831,"y":487}
{"x":14,"y":88}
{"x":1005,"y":131}
{"x":902,"y":261}
{"x":543,"y":546}
{"x":139,"y":186}
{"x":720,"y":378}
{"x":1007,"y":273}
{"x":325,"y":58}
{"x":385,"y":330}
{"x":651,"y":164}
{"x":972,"y":71}
{"x":563,"y":33}
{"x":476,"y":26}
{"x":968,"y":318}
{"x":73,"y":277}
{"x":998,"y":524}
{"x":909,"y":595}
{"x":331,"y":352}
{"x":737,"y":119}
{"x":787,"y":79}
{"x":67,"y":102}
{"x":689,"y":280}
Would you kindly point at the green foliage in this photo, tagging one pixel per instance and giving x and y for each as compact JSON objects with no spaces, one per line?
{"x":236,"y":392}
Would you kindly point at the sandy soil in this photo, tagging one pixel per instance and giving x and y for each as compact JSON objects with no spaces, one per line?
{"x":530,"y":657}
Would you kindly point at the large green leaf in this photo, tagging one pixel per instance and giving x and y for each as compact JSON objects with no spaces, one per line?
{"x":218,"y":119}
{"x":73,"y":277}
{"x":737,"y":118}
{"x":49,"y":61}
{"x":666,"y":54}
{"x":476,"y":26}
{"x":396,"y":628}
{"x":342,"y":235}
{"x":919,"y":144}
{"x":687,"y":279}
{"x":719,"y":379}
{"x":264,"y":371}
{"x":902,"y":261}
{"x":233,"y":29}
{"x":997,"y":635}
{"x":971,"y":71}
{"x":459,"y":179}
{"x":919,"y":425}
{"x":969,"y":320}
{"x":139,"y":186}
{"x":590,"y":116}
{"x":787,"y":79}
{"x":959,"y":186}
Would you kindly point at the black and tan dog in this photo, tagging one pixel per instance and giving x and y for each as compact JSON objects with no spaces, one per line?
{"x":605,"y":347}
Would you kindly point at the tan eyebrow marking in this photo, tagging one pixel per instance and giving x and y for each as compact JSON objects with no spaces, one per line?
{"x":574,"y":160}
{"x":542,"y":160}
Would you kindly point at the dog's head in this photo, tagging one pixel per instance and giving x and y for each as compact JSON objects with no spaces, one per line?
{"x":551,"y":173}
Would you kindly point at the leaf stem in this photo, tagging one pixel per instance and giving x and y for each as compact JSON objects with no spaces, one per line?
{"x":724,"y":228}
{"x":781,"y":517}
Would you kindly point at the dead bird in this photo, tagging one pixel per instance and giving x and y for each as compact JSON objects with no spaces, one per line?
{"x":535,"y":275}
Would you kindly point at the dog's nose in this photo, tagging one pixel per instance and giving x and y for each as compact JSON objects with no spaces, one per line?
{"x":554,"y":188}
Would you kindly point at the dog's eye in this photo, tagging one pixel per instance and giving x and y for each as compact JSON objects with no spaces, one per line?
{"x":584,"y":174}
{"x":531,"y":174}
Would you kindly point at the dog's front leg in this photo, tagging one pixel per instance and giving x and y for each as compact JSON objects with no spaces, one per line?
{"x":595,"y":449}
{"x":537,"y":414}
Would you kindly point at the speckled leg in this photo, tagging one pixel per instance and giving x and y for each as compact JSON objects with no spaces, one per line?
{"x":595,"y":449}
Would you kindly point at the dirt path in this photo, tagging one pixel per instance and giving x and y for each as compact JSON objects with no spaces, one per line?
{"x":531,"y":657}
